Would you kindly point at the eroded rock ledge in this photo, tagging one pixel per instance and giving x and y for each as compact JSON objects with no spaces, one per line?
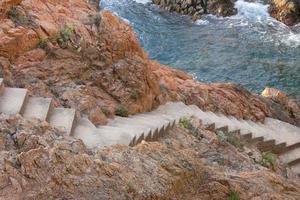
{"x":196,"y":8}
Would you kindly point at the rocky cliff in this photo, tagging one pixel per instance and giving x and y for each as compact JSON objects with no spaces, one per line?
{"x":93,"y":62}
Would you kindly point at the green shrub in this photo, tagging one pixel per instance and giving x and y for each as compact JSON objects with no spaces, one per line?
{"x":185,"y":123}
{"x":18,"y":18}
{"x":65,"y":36}
{"x":233,"y":140}
{"x":135,"y":94}
{"x":268,"y":159}
{"x":234,"y":196}
{"x":42,"y":44}
{"x":122,"y":111}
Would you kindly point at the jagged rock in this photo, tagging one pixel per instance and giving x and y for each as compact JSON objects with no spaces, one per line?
{"x":286,"y":11}
{"x":196,"y":8}
{"x":45,"y":164}
{"x":281,"y":98}
{"x":6,"y":5}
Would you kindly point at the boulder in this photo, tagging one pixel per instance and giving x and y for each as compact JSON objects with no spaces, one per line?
{"x":286,"y":11}
{"x":196,"y":8}
{"x":223,"y":8}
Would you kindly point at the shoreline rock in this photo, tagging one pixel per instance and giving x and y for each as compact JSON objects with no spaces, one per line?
{"x":285,"y":11}
{"x":197,"y":8}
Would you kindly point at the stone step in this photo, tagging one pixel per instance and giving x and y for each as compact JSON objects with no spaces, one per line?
{"x":139,"y":131}
{"x":109,"y":137}
{"x":12,"y":100}
{"x":290,"y":133}
{"x":263,"y":132}
{"x":291,"y":156}
{"x":37,"y":107}
{"x":156,"y":117}
{"x":296,"y":168}
{"x":63,"y":118}
{"x":151,"y":121}
{"x":148,"y":122}
{"x":84,"y":127}
{"x":101,"y":137}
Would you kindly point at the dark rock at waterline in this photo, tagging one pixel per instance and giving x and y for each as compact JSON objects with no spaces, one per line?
{"x":286,"y":11}
{"x":196,"y":8}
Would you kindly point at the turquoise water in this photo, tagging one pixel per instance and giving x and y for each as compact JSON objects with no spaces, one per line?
{"x":250,"y":48}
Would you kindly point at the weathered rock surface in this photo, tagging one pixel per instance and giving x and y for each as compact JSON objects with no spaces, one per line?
{"x":38,"y":162}
{"x":286,"y":11}
{"x":93,"y":62}
{"x":196,"y":8}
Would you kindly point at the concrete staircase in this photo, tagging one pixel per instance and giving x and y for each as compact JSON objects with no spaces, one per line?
{"x":274,"y":135}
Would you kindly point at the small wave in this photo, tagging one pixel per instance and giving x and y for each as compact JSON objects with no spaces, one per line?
{"x":143,"y":1}
{"x":202,"y":22}
{"x":252,"y":10}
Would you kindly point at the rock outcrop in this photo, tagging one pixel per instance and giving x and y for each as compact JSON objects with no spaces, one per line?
{"x":38,"y":162}
{"x":94,"y":63}
{"x":286,"y":11}
{"x":196,"y":8}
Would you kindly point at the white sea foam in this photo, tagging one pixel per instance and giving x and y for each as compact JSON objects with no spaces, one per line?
{"x":143,"y":1}
{"x":252,"y":10}
{"x":202,"y":22}
{"x":255,"y":16}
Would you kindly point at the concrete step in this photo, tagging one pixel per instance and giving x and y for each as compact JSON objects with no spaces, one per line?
{"x":84,"y":127}
{"x":159,"y":122}
{"x":157,"y":117}
{"x":263,"y":131}
{"x":288,"y":132}
{"x":63,"y":118}
{"x":291,"y":156}
{"x":37,"y":107}
{"x":140,"y":132}
{"x":12,"y":100}
{"x":108,"y":138}
{"x":100,"y":138}
{"x":244,"y":130}
{"x":296,"y":168}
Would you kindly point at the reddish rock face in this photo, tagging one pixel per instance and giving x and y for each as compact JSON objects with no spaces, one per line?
{"x":281,"y":98}
{"x":39,"y":162}
{"x":5,"y":6}
{"x":93,"y":62}
{"x":286,"y":11}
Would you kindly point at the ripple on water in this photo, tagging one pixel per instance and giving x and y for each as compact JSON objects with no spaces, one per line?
{"x":250,"y":48}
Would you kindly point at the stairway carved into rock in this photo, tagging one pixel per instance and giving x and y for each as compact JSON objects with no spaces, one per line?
{"x":274,"y":135}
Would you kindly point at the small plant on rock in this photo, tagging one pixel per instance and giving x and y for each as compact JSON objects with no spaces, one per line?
{"x":122,"y":111}
{"x":185,"y":123}
{"x":268,"y":159}
{"x":234,"y":196}
{"x":19,"y":18}
{"x":233,"y":140}
{"x":65,"y":36}
{"x":135,"y":94}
